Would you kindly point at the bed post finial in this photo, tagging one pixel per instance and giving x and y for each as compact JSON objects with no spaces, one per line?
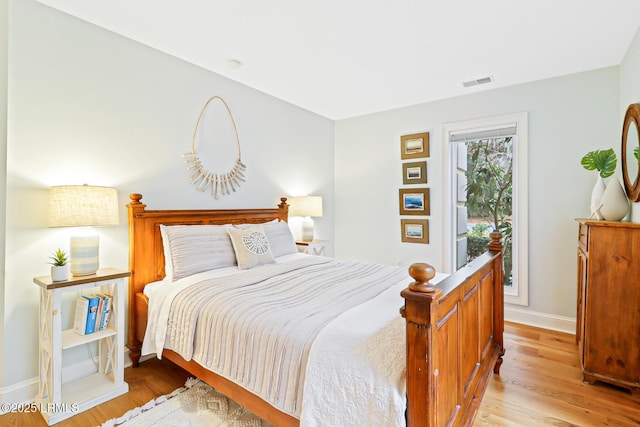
{"x":422,"y":273}
{"x":495,"y":244}
{"x":283,"y":203}
{"x":135,"y":198}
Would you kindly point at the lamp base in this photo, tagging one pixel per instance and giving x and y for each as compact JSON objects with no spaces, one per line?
{"x":84,"y":255}
{"x":307,"y":230}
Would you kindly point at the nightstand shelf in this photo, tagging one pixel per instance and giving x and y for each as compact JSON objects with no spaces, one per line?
{"x":70,"y":339}
{"x":58,"y":401}
{"x":313,"y":247}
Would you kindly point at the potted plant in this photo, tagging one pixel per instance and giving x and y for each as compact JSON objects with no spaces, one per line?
{"x":59,"y":266}
{"x":604,"y":161}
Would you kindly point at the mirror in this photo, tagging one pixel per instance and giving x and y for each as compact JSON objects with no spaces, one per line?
{"x":630,"y":147}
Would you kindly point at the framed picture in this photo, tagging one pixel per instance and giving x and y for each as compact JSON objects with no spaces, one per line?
{"x":414,"y":146}
{"x":414,"y":173}
{"x":414,"y":201}
{"x":415,"y":230}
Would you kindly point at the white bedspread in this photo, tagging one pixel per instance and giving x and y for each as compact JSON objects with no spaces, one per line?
{"x":355,"y":374}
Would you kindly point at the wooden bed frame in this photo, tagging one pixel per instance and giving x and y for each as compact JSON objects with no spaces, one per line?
{"x":454,"y":333}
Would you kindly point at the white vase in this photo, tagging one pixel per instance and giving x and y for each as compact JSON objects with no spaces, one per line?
{"x":614,"y":202}
{"x":59,"y":273}
{"x":596,"y":197}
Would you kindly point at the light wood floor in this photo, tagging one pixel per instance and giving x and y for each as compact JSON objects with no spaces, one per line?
{"x":540,"y":384}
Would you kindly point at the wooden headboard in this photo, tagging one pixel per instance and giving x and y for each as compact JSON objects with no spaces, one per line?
{"x":146,"y":254}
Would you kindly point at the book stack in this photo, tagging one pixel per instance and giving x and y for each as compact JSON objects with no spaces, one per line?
{"x":93,"y":313}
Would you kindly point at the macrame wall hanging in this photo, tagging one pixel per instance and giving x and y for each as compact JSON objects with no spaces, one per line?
{"x":221,"y":183}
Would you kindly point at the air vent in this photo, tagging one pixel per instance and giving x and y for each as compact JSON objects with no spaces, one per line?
{"x":483,"y":80}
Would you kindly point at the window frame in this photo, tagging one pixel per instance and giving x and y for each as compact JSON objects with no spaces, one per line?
{"x":520,"y":196}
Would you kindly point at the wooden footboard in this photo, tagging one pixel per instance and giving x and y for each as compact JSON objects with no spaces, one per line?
{"x":454,"y":339}
{"x":454,"y":331}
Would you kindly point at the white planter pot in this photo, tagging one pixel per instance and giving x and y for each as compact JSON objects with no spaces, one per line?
{"x":60,"y":273}
{"x":596,"y":196}
{"x":615,"y":204}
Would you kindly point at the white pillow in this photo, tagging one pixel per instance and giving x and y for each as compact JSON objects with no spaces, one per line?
{"x":280,"y":238}
{"x":251,"y":246}
{"x":190,"y":249}
{"x":279,"y":235}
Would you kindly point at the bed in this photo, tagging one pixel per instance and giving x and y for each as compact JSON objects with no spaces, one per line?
{"x":453,"y":332}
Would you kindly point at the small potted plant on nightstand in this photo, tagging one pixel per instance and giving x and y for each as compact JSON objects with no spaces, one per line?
{"x":59,"y":266}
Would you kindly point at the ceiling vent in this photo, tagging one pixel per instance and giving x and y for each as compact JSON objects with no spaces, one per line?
{"x":477,"y":82}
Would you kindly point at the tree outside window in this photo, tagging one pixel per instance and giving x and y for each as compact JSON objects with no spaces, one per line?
{"x":489,"y":197}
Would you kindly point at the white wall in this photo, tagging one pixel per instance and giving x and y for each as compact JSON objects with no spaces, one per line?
{"x":568,"y":116}
{"x":4,"y":41}
{"x":86,"y":105}
{"x":630,"y":94}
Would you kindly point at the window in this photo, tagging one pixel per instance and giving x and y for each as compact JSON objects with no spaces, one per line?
{"x":488,"y":189}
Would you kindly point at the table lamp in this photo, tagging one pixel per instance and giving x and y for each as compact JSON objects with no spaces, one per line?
{"x":307,"y":207}
{"x":83,"y":206}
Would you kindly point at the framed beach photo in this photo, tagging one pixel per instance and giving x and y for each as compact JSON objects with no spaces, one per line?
{"x":414,"y":201}
{"x":415,"y":230}
{"x":414,"y":173}
{"x":414,"y":146}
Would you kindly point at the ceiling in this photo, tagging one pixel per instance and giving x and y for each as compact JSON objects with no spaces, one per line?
{"x":345,"y":58}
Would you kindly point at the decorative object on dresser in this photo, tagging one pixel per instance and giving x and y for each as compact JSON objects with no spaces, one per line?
{"x":608,"y":318}
{"x":83,"y":206}
{"x":59,"y":266}
{"x":222,"y":183}
{"x":630,"y":146}
{"x":461,"y":320}
{"x":306,"y":207}
{"x":614,"y":204}
{"x":59,"y":399}
{"x":604,"y":161}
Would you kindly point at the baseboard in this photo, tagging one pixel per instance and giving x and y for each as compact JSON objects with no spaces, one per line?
{"x":26,"y":391}
{"x":540,"y":320}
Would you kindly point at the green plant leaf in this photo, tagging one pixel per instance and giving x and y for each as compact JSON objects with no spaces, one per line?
{"x":59,"y":258}
{"x":635,"y":153}
{"x":604,"y":161}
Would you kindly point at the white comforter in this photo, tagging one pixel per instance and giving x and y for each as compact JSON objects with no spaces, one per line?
{"x":355,"y":371}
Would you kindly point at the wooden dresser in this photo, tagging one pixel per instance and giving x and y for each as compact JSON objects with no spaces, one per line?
{"x":608,"y":317}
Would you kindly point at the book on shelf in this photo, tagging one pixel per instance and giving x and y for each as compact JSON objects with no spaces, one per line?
{"x":105,"y":316}
{"x":92,"y":313}
{"x":80,"y":318}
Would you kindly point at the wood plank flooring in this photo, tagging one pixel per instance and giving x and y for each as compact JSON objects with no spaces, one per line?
{"x":540,"y":384}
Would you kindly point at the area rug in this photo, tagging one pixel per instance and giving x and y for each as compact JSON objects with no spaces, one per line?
{"x":195,"y":405}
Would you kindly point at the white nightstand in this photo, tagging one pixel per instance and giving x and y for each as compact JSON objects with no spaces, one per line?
{"x":314,"y":247}
{"x":58,"y":401}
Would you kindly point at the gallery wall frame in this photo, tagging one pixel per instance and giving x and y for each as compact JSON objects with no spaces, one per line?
{"x":414,"y":201}
{"x":414,"y":146}
{"x":415,"y":230}
{"x":414,"y":173}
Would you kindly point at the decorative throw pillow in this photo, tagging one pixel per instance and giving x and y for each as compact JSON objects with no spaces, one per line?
{"x":279,"y":235}
{"x":251,"y":246}
{"x":190,"y":249}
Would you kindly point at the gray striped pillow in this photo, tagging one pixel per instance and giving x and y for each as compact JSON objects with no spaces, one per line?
{"x":190,"y":249}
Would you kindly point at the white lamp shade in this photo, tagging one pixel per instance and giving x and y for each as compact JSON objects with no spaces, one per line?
{"x":305,"y":206}
{"x":82,"y":205}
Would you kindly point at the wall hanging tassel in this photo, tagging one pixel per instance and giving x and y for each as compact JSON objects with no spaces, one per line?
{"x":221,"y":184}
